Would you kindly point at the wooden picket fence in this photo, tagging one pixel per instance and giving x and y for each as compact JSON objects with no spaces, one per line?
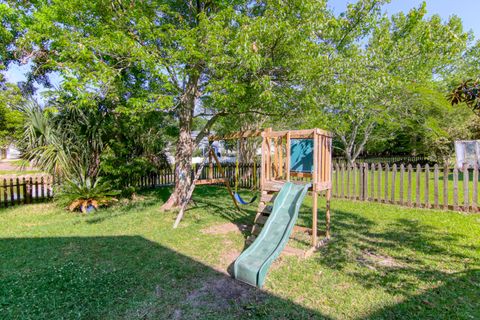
{"x":414,"y":160}
{"x":25,"y":190}
{"x":436,"y":187}
{"x":420,"y":186}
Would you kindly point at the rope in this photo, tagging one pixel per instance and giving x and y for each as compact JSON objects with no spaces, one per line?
{"x":237,"y":170}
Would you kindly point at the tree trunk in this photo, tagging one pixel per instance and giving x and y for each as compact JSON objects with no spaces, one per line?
{"x":184,"y":152}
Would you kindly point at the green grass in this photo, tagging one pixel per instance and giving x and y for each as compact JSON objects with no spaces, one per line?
{"x":384,"y":262}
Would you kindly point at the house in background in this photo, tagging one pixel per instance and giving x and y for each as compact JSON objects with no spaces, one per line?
{"x":467,"y":152}
{"x":10,"y":153}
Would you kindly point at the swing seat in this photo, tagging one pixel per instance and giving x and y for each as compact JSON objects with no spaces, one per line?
{"x":241,"y":201}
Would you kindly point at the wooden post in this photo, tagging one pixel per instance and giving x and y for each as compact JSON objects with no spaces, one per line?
{"x":466,"y":193}
{"x":387,"y":172}
{"x":394,"y":175}
{"x":402,"y":176}
{"x":327,"y":214}
{"x":12,"y":196}
{"x":417,"y":189}
{"x":280,"y":158}
{"x":316,"y":169}
{"x":42,"y":183}
{"x":475,"y":188}
{"x":427,"y":187}
{"x":409,"y":185}
{"x":354,"y":180}
{"x":348,"y":181}
{"x":5,"y":194}
{"x":379,"y":183}
{"x":455,"y":188}
{"x":287,"y":156}
{"x":342,"y":179}
{"x":263,"y":162}
{"x":18,"y":200}
{"x":446,"y":172}
{"x":372,"y":184}
{"x":365,"y":182}
{"x":337,"y":168}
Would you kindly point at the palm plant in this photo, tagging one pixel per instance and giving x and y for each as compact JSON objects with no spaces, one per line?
{"x":68,"y":145}
{"x":86,"y":194}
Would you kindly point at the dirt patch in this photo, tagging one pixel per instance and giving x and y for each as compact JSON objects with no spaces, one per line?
{"x":220,"y":293}
{"x":372,"y":260}
{"x":226,"y":228}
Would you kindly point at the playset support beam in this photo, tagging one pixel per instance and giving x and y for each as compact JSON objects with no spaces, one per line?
{"x":277,"y":169}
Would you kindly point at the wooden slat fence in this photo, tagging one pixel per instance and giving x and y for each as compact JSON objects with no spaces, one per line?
{"x":387,"y":159}
{"x":437,"y":187}
{"x":25,"y":190}
{"x":166,"y":177}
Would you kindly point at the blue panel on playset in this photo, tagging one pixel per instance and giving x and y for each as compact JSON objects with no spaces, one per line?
{"x":301,"y":155}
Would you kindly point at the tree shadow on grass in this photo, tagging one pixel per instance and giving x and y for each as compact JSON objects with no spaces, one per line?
{"x":124,"y":277}
{"x":146,"y":199}
{"x":456,"y":298}
{"x":218,"y":202}
{"x":401,"y":258}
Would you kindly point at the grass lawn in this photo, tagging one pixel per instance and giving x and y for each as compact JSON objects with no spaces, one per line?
{"x":384,"y":262}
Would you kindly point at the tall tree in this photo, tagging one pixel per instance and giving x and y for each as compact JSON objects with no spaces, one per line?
{"x":373,"y":74}
{"x":191,"y":58}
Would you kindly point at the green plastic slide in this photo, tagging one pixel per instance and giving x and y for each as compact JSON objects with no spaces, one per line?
{"x":252,"y":265}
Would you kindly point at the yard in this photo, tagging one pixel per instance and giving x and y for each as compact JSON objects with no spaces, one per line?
{"x":384,"y":262}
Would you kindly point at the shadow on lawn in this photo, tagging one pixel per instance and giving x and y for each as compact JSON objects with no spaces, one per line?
{"x":123,"y":277}
{"x":146,"y":199}
{"x":399,"y":258}
{"x":456,"y":298}
{"x":218,"y":202}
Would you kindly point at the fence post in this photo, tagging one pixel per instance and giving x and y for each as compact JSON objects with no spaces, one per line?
{"x":337,"y":168}
{"x":5,"y":194}
{"x":402,"y":176}
{"x":18,"y":200}
{"x":427,"y":187}
{"x":394,"y":174}
{"x":466,"y":193}
{"x":387,"y":172}
{"x":446,"y":172}
{"x":435,"y":186}
{"x":417,"y":189}
{"x":348,"y":181}
{"x":365,"y":182}
{"x":455,"y":188}
{"x":475,"y":187}
{"x":30,"y":190}
{"x":379,"y":183}
{"x":12,"y":196}
{"x":409,"y":185}
{"x":372,"y":183}
{"x":342,"y":185}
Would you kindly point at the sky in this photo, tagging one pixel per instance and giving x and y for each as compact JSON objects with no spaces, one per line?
{"x":467,"y":10}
